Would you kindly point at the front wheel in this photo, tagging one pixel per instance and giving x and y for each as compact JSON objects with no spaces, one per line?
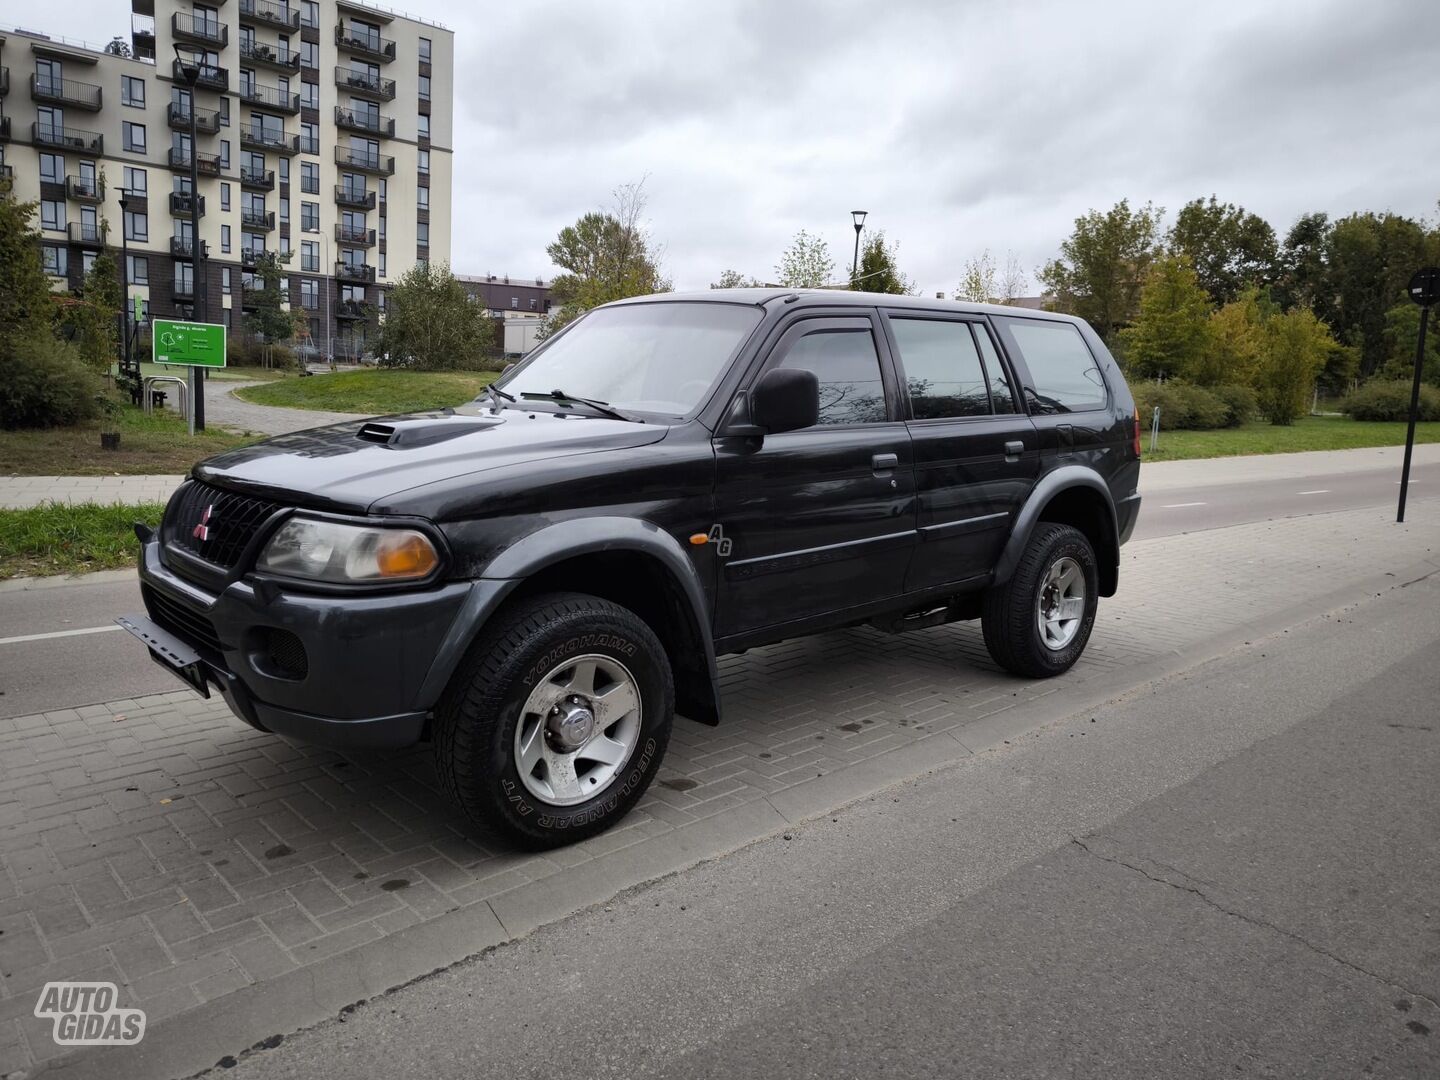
{"x":556,"y":725}
{"x":1038,"y":622}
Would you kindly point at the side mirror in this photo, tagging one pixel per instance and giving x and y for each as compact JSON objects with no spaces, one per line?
{"x":785,"y":399}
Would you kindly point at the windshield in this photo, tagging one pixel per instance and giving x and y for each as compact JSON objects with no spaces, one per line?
{"x":651,"y":358}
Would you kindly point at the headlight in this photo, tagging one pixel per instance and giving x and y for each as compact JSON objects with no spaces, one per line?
{"x":333,"y":551}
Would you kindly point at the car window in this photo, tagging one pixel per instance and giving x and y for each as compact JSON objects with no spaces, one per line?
{"x":1002,"y":394}
{"x":943,"y":375}
{"x":848,"y":367}
{"x":1065,"y":375}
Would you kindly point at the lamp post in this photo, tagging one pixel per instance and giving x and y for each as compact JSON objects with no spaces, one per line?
{"x":125,"y":288}
{"x":858,"y":217}
{"x":190,"y":72}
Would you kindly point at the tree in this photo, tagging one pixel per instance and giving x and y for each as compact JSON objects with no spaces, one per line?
{"x":1103,"y":265}
{"x":1296,"y":347}
{"x":26,"y":303}
{"x":878,"y":272}
{"x":1170,"y":335}
{"x":269,"y":319}
{"x":1402,"y":334}
{"x":1368,"y":261}
{"x":983,"y":283}
{"x":1236,"y":342}
{"x":733,"y":279}
{"x":806,"y":264}
{"x":604,"y":256}
{"x":1230,"y":248}
{"x":1302,"y":262}
{"x":94,"y":315}
{"x":432,"y":324}
{"x":118,"y":47}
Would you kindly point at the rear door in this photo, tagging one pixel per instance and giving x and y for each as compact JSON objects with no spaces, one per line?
{"x":976,"y":452}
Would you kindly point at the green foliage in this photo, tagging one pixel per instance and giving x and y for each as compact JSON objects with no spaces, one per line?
{"x":1307,"y":433}
{"x":733,"y":279}
{"x":26,"y":303}
{"x":1241,"y":404}
{"x":431,"y":324}
{"x":878,"y":270}
{"x":1302,"y":269}
{"x":1230,"y":248}
{"x":44,"y":383}
{"x":371,"y":392}
{"x":605,"y":256}
{"x":1170,"y":336}
{"x":1296,"y":347}
{"x":1183,"y":407}
{"x":94,"y":318}
{"x":1402,"y":334}
{"x":806,"y":263}
{"x":269,"y":320}
{"x":1103,"y":265}
{"x":985,"y":283}
{"x":1236,"y":341}
{"x":1389,"y":399}
{"x":65,"y":538}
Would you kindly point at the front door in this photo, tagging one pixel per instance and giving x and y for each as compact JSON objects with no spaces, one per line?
{"x":976,"y":454}
{"x":820,"y":519}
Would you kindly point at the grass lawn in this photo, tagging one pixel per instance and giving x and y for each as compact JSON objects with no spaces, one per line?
{"x":372,"y":392}
{"x":1307,"y":433}
{"x":158,"y":443}
{"x":228,"y":374}
{"x":61,"y":539}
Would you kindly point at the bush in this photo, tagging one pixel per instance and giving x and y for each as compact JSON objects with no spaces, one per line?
{"x":1390,"y":400}
{"x":46,"y":384}
{"x":1240,"y":403}
{"x":1183,"y":407}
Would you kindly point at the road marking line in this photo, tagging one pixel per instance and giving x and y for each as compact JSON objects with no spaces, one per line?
{"x":1317,"y":491}
{"x":59,"y":634}
{"x":1177,"y":506}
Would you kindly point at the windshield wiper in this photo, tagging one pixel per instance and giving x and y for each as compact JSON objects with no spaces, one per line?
{"x":495,"y":394}
{"x":561,"y":398}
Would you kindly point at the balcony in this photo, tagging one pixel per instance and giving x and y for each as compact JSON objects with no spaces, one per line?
{"x":5,"y":136}
{"x":205,"y":164}
{"x":354,"y":235}
{"x":269,"y":97}
{"x":250,"y":257}
{"x":260,"y":138}
{"x":180,"y":204}
{"x":257,"y":220}
{"x":363,"y":161}
{"x":208,"y":76}
{"x":67,"y":92}
{"x":183,"y":247}
{"x":358,"y":200}
{"x":206,"y":32}
{"x":182,"y":290}
{"x":365,"y":84}
{"x":362,"y":43}
{"x":67,"y":138}
{"x":86,"y":234}
{"x":383,"y":126}
{"x":4,"y":81}
{"x":354,"y":271}
{"x":352,"y":309}
{"x":258,"y":179}
{"x":273,"y":56}
{"x":84,"y":188}
{"x":207,"y":121}
{"x":270,"y":13}
{"x":310,"y":144}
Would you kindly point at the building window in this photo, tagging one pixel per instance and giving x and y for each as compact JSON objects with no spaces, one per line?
{"x":309,"y":138}
{"x":224,"y":239}
{"x":310,"y":177}
{"x":224,"y":196}
{"x":225,"y":280}
{"x":309,"y":94}
{"x":309,"y":294}
{"x":136,"y":180}
{"x":225,"y":154}
{"x":380,"y":300}
{"x":382,"y":264}
{"x":532,"y":303}
{"x":132,"y":91}
{"x":382,"y":226}
{"x":422,"y":233}
{"x":87,"y":262}
{"x":138,"y":270}
{"x":310,"y":256}
{"x":54,"y":260}
{"x":52,"y":214}
{"x":383,"y":187}
{"x":425,"y":50}
{"x":422,"y":162}
{"x":424,"y":87}
{"x":225,"y":111}
{"x":422,"y":127}
{"x":52,"y":168}
{"x":514,"y":301}
{"x":310,"y":13}
{"x":422,"y":198}
{"x":285,"y":211}
{"x":134,"y":137}
{"x":309,"y":54}
{"x":284,"y":245}
{"x":309,"y":217}
{"x":137,"y":225}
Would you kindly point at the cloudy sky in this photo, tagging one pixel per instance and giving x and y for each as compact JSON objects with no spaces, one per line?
{"x":958,"y":125}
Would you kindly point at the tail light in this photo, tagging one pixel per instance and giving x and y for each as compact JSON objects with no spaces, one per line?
{"x":1137,"y":431}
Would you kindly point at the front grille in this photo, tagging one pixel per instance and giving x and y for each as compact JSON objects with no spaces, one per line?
{"x":221,"y":536}
{"x":287,"y":653}
{"x":179,"y":619}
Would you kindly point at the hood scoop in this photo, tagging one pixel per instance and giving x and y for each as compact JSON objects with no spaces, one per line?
{"x":402,"y":434}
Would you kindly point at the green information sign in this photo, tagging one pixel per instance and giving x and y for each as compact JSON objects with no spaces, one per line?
{"x":139,"y":308}
{"x":188,"y":343}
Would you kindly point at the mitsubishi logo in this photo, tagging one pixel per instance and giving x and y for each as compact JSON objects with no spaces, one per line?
{"x":202,"y":531}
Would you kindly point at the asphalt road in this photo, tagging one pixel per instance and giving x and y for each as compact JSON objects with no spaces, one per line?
{"x":84,"y":668}
{"x":1230,"y":872}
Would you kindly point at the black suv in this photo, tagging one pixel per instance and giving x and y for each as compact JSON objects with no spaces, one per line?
{"x":537,"y":580}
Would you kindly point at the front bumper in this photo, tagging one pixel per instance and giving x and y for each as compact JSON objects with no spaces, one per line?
{"x":375,"y":664}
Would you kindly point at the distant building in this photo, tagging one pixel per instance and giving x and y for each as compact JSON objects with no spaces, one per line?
{"x":521,"y":304}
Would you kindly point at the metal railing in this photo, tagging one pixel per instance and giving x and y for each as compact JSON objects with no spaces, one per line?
{"x":362,"y":82}
{"x":269,"y":139}
{"x":276,"y":55}
{"x":83,"y":232}
{"x":207,"y":31}
{"x":257,"y":178}
{"x":355,"y":271}
{"x":207,"y":121}
{"x":65,"y":92}
{"x":354,"y":234}
{"x":350,"y":158}
{"x":271,"y":97}
{"x":84,"y":188}
{"x":180,"y":204}
{"x":208,"y":164}
{"x":210,"y":76}
{"x":361,"y":199}
{"x":257,"y":219}
{"x":269,"y":11}
{"x":67,"y":137}
{"x":365,"y":43}
{"x":360,"y":121}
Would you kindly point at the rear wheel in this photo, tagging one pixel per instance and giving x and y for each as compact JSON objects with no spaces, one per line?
{"x":557,"y":723}
{"x":1038,"y":623}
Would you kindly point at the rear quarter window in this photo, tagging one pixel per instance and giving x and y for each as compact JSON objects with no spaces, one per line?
{"x":1063,"y":371}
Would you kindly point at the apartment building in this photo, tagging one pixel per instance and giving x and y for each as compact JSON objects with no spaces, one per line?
{"x":322,"y":129}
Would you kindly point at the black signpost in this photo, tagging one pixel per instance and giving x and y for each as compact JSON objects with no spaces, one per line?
{"x":1424,"y":289}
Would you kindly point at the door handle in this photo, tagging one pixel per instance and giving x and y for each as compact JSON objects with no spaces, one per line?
{"x":884,"y":462}
{"x":1013,"y":449}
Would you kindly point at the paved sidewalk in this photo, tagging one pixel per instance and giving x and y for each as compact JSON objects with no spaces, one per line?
{"x":17,"y":492}
{"x":241,"y":881}
{"x":224,"y":409}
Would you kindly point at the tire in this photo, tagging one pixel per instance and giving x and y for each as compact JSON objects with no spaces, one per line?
{"x":1011,"y":613}
{"x":493,"y":719}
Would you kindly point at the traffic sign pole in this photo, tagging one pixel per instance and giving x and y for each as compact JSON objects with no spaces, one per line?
{"x":194,"y":345}
{"x":1424,"y":289}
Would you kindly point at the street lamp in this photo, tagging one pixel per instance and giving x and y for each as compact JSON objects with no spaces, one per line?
{"x":190,"y":72}
{"x":125,"y":289}
{"x":858,"y":216}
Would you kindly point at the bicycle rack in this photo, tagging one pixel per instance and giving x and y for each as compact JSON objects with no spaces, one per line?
{"x":151,"y":380}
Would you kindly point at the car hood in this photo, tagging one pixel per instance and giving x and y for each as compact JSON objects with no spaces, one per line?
{"x":351,"y":466}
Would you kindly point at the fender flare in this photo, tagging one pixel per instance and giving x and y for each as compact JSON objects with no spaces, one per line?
{"x":1048,"y":486}
{"x":564,"y":540}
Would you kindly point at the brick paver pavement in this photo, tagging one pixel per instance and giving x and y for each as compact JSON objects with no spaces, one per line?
{"x":17,"y":492}
{"x":161,"y":845}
